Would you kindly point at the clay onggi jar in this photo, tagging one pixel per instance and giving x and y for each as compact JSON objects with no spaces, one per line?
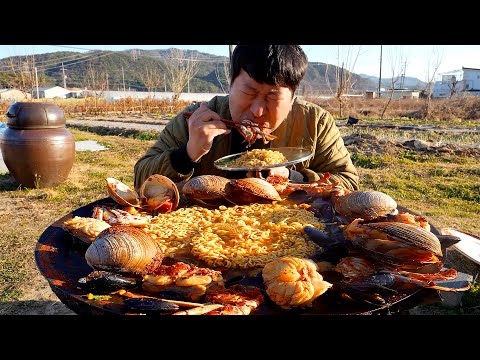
{"x":36,"y":147}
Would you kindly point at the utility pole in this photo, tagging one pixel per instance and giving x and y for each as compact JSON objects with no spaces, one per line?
{"x":123,"y":76}
{"x":36,"y":80}
{"x":64,"y":77}
{"x":380,"y":76}
{"x":165,"y":82}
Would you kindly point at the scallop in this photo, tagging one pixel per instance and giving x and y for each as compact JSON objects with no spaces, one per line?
{"x":123,"y":249}
{"x":159,"y":193}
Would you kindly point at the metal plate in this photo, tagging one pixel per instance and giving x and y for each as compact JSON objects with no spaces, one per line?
{"x":293,"y":154}
{"x":60,"y":259}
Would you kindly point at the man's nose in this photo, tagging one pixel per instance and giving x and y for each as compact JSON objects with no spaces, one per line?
{"x":258,"y":107}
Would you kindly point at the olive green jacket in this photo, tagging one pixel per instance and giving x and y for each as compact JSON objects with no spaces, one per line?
{"x":307,"y":125}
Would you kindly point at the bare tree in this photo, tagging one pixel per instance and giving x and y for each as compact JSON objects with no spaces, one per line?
{"x":22,"y":74}
{"x":395,"y":59}
{"x":96,"y":83}
{"x":180,"y":71}
{"x":433,"y":63}
{"x":347,"y":57}
{"x":225,"y":73}
{"x":152,"y":79}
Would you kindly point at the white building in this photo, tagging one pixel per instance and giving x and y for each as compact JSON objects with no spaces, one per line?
{"x":49,"y":92}
{"x":400,"y":94}
{"x":463,"y":82}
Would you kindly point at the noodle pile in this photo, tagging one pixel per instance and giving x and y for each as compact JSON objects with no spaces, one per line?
{"x":258,"y":157}
{"x":236,"y":237}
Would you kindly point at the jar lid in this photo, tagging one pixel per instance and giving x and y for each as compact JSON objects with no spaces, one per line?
{"x":35,"y":115}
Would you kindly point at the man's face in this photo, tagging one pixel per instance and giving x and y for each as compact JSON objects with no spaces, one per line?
{"x":262,"y":103}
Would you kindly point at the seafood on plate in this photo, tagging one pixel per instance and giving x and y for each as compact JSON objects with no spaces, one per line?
{"x":185,"y":279}
{"x":157,"y":194}
{"x":123,"y":249}
{"x":85,"y":229}
{"x":293,"y":282}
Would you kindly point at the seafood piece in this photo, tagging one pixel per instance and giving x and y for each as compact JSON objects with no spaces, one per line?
{"x":406,"y":233}
{"x":122,"y":193}
{"x":123,"y":249}
{"x":120,"y":217}
{"x":84,"y":228}
{"x":104,"y":282}
{"x":159,"y":193}
{"x":199,"y":310}
{"x":355,"y":267}
{"x":237,"y":300}
{"x":247,"y":128}
{"x":365,"y":204}
{"x":188,"y":280}
{"x":206,"y":189}
{"x":148,"y":305}
{"x":427,"y":280}
{"x":250,"y":190}
{"x":397,"y":244}
{"x":292,"y":282}
{"x":322,"y":187}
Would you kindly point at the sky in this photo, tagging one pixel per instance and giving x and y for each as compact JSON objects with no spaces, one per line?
{"x":417,"y":61}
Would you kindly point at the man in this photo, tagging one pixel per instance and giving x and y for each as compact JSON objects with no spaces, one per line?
{"x":264,"y":79}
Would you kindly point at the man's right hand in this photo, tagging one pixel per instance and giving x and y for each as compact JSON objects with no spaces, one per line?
{"x":203,"y":126}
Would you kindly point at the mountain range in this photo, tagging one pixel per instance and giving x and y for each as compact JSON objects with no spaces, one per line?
{"x":128,"y":70}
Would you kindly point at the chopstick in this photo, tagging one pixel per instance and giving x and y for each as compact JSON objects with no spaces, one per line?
{"x":229,"y":123}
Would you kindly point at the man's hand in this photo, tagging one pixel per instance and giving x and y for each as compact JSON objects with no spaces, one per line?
{"x":203,"y":126}
{"x":280,"y":171}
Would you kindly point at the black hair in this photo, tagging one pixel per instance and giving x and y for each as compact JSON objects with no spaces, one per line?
{"x":279,"y":65}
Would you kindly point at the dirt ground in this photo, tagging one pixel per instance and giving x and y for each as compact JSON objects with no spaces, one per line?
{"x":39,"y":299}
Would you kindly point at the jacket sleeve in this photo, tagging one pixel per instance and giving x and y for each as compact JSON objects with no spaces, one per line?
{"x":331,"y":155}
{"x":157,"y":158}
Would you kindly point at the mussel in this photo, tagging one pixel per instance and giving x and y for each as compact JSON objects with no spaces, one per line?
{"x":104,"y":282}
{"x":123,"y":249}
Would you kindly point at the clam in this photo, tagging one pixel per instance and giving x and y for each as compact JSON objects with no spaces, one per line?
{"x":365,"y":204}
{"x":123,"y":249}
{"x":250,"y":190}
{"x":122,"y":193}
{"x":104,"y":282}
{"x":206,"y":189}
{"x":159,"y":193}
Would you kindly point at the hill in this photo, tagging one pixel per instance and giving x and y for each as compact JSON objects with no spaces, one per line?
{"x":128,"y":70}
{"x":411,"y":83}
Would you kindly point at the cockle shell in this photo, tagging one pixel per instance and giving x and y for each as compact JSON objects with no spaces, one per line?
{"x":122,"y":193}
{"x":250,"y":190}
{"x":123,"y":249}
{"x":365,"y":204}
{"x":159,"y":193}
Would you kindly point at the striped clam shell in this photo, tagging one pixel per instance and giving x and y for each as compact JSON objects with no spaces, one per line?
{"x":365,"y":204}
{"x":123,"y":249}
{"x":409,"y":234}
{"x":205,"y":187}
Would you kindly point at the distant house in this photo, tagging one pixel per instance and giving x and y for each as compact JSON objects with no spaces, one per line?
{"x":49,"y":92}
{"x":400,"y":94}
{"x":75,"y":93}
{"x":462,"y":82}
{"x":14,"y":95}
